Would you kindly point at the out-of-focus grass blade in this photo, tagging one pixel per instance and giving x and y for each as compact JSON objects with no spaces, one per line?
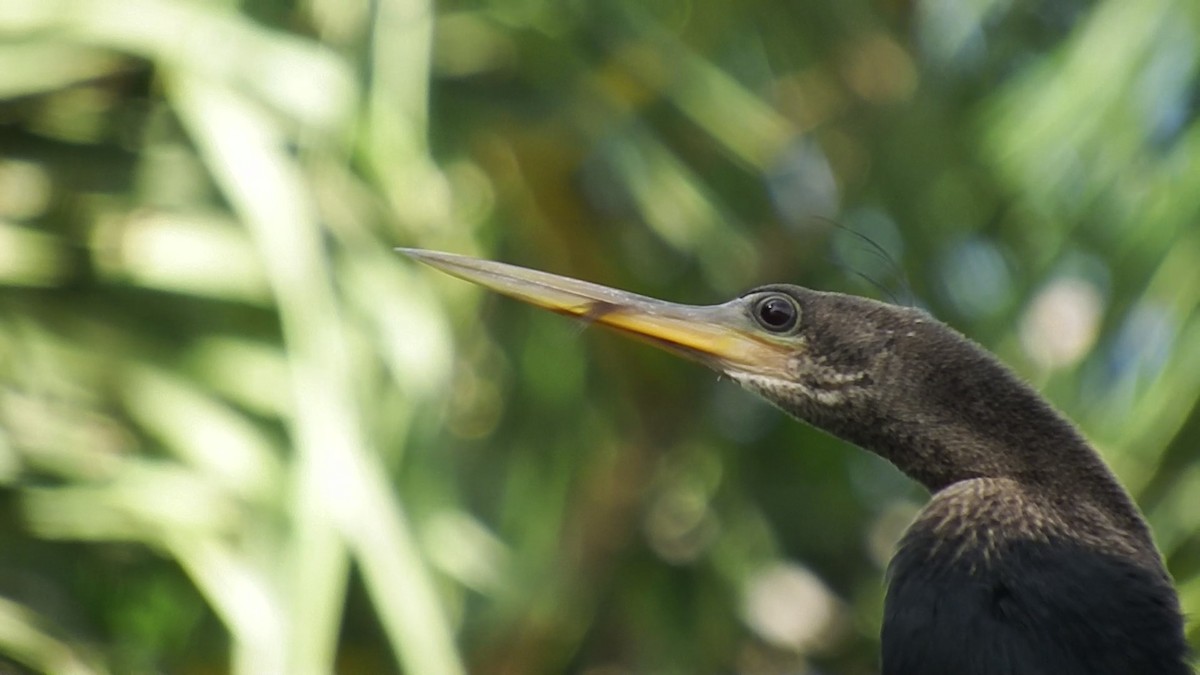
{"x":340,"y":482}
{"x":246,"y":597}
{"x":749,"y":128}
{"x":1047,"y":129}
{"x":203,"y":432}
{"x":187,"y":515}
{"x":141,"y":502}
{"x":28,"y":68}
{"x":1140,"y":433}
{"x":245,"y":150}
{"x":297,"y":77}
{"x":29,"y":257}
{"x":675,"y":202}
{"x":250,"y":373}
{"x":191,"y":254}
{"x":23,"y":639}
{"x":396,"y":139}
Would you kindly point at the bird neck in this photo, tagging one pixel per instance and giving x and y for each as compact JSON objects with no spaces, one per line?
{"x":989,"y":426}
{"x":971,"y":417}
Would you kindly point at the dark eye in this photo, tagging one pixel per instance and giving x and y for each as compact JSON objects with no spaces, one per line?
{"x":777,"y":313}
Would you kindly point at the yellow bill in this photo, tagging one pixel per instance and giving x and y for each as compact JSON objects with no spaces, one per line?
{"x":721,"y":336}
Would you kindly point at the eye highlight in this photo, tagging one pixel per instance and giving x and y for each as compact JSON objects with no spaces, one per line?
{"x":777,"y":313}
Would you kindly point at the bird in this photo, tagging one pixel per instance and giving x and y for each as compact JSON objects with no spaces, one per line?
{"x":1029,"y":558}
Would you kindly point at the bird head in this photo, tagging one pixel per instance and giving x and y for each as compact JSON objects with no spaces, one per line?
{"x":819,"y":356}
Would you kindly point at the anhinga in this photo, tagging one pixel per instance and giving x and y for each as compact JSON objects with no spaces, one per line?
{"x":1030,"y":558}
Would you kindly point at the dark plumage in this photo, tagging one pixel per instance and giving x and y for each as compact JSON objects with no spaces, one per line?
{"x":1029,"y":559}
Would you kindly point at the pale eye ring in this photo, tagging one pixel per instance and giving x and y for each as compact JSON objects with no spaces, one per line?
{"x":777,"y":313}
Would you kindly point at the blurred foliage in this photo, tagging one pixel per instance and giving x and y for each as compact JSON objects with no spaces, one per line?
{"x":238,"y":434}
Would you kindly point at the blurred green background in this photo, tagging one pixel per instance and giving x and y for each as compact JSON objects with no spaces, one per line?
{"x":239,"y":434}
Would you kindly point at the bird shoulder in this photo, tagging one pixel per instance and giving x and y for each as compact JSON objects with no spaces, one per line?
{"x":994,"y":580}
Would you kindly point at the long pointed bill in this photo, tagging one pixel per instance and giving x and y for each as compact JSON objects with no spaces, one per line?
{"x":717,"y":335}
